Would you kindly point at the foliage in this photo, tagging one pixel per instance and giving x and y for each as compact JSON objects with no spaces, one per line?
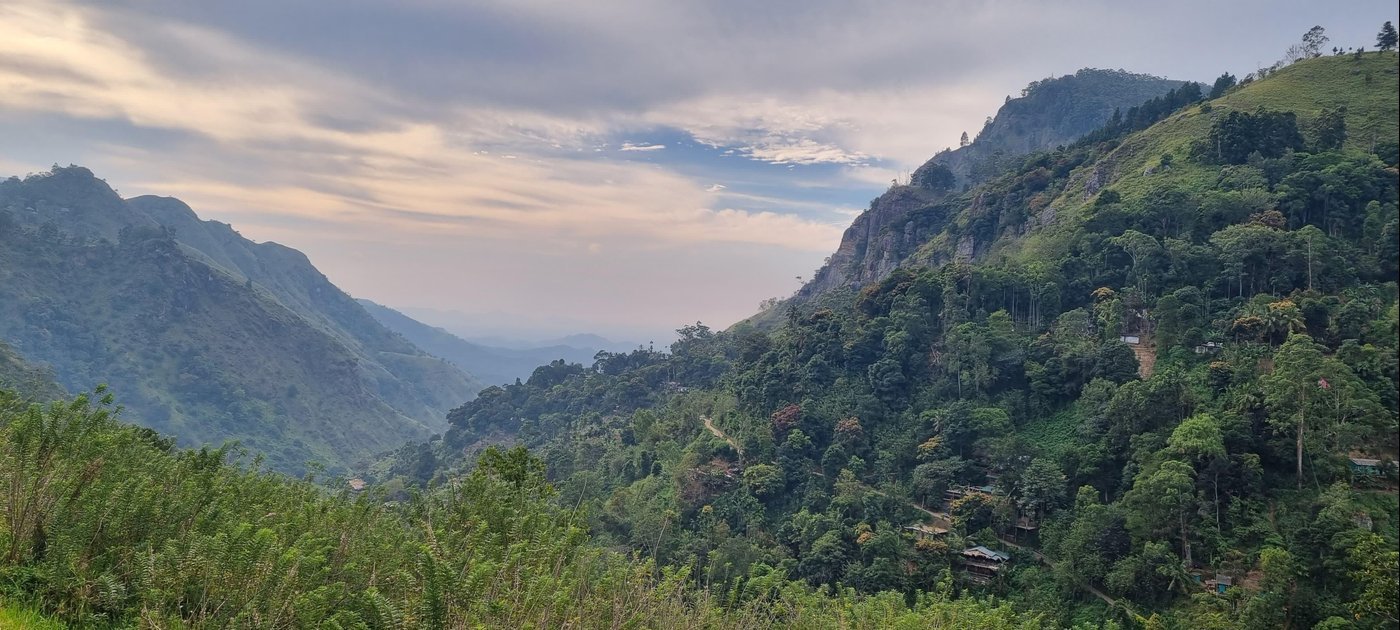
{"x":103,"y":524}
{"x":1003,"y":380}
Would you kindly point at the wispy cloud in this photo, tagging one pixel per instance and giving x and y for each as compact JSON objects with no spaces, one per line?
{"x":448,"y":151}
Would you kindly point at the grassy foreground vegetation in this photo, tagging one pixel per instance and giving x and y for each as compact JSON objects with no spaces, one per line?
{"x":106,"y":525}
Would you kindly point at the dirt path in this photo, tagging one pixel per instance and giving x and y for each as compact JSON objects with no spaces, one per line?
{"x":939,"y":519}
{"x":710,"y":424}
{"x":1147,"y":359}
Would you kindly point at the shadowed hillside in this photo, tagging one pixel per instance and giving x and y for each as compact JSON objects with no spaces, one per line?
{"x":205,"y":335}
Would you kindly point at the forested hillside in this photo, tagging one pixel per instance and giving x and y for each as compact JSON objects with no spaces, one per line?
{"x":1156,"y":369}
{"x":108,"y":525}
{"x":205,"y":335}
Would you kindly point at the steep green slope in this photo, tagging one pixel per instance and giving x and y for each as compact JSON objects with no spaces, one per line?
{"x":402,"y":374}
{"x":1366,"y":87}
{"x":1050,"y":113}
{"x":204,"y":334}
{"x":1156,"y":391}
{"x":1033,"y":210}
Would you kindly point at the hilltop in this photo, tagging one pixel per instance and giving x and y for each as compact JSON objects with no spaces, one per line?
{"x":1032,"y":208}
{"x":1050,"y":113}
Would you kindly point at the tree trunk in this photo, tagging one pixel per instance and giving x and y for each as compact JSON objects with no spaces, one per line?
{"x":1300,"y":450}
{"x":1217,"y":499}
{"x":1185,"y":546}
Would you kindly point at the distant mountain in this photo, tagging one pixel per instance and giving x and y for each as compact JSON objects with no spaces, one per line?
{"x":526,"y":329}
{"x":588,"y":340}
{"x":202,"y":333}
{"x":491,"y":364}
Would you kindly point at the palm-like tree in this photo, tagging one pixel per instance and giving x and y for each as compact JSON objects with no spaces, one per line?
{"x":1281,"y":319}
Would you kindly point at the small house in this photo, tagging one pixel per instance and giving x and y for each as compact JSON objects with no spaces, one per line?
{"x":1219,"y":584}
{"x":1364,"y":467}
{"x":1131,"y":340}
{"x":983,"y":564}
{"x":356,"y":484}
{"x":1209,"y":347}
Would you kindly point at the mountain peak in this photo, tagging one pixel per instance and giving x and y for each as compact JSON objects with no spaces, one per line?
{"x":1050,"y":112}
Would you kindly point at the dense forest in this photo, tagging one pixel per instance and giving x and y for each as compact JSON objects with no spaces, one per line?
{"x":1179,"y":397}
{"x":1159,"y":389}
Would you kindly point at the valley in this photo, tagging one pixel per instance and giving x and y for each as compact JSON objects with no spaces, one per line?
{"x":1126,"y":358}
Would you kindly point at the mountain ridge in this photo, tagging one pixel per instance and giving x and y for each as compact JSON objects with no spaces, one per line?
{"x":187,"y":275}
{"x":1049,"y":113}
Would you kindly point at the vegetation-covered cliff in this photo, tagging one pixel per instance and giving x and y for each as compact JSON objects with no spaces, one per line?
{"x":1049,"y":114}
{"x":25,"y":379}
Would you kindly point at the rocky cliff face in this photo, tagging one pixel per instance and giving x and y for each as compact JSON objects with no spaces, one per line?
{"x":1050,"y":113}
{"x":880,"y":239}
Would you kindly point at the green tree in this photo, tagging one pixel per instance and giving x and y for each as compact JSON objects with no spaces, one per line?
{"x":1386,"y":39}
{"x":1161,"y":498}
{"x":1377,"y":573}
{"x":1314,"y":40}
{"x":1274,"y":605}
{"x":1145,"y":253}
{"x":1319,"y":399}
{"x":765,"y":481}
{"x":1042,"y":486}
{"x":1330,"y":128}
{"x":1198,"y":440}
{"x":1222,"y":84}
{"x":1293,"y":389}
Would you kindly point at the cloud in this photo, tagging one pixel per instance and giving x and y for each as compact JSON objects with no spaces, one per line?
{"x":439,"y":151}
{"x":406,"y":174}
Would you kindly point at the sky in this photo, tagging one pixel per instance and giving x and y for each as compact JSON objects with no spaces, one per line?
{"x":545,"y":168}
